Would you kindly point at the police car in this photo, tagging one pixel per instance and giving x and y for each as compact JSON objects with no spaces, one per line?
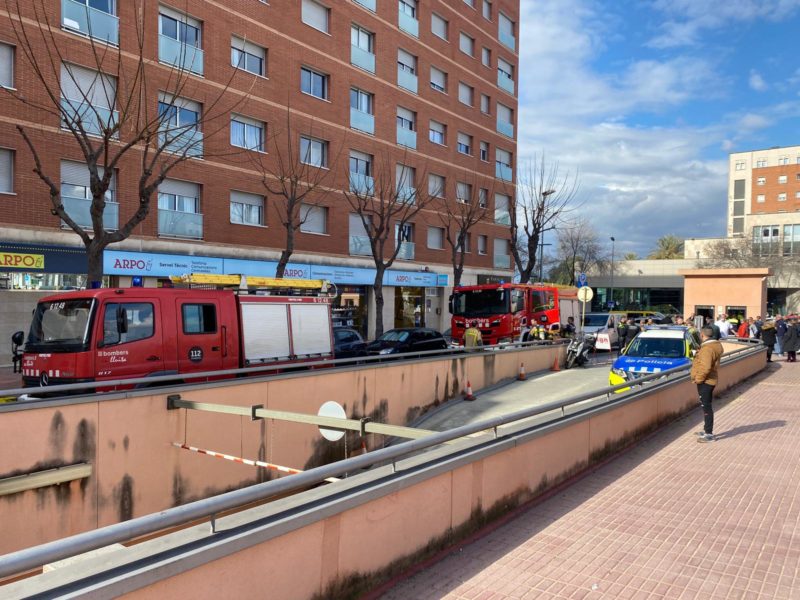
{"x":654,"y":350}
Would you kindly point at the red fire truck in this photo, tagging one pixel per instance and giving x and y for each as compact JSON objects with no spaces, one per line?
{"x":504,"y":310}
{"x":117,"y":333}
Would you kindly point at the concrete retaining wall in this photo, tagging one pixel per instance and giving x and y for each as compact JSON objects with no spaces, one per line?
{"x":127,"y":438}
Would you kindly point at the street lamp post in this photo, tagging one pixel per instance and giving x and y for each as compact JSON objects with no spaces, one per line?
{"x":612,"y":271}
{"x":545,"y":194}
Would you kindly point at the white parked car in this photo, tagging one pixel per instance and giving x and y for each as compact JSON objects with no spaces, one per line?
{"x":604,"y":326}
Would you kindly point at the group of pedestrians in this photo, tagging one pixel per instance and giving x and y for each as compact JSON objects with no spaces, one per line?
{"x":780,"y":335}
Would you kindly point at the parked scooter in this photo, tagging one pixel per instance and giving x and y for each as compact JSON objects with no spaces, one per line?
{"x":579,"y":348}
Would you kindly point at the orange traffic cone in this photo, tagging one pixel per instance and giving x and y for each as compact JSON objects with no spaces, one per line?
{"x":521,"y":376}
{"x":556,"y":364}
{"x":468,"y":395}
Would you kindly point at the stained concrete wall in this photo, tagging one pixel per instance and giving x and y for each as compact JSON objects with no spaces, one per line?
{"x":128,"y":438}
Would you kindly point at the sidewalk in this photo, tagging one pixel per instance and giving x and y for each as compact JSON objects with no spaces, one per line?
{"x":670,"y":518}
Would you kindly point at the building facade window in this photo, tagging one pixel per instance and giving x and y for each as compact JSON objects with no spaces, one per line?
{"x":361,"y":38}
{"x":247,"y":133}
{"x":760,"y":198}
{"x":436,"y":185}
{"x":487,"y":10}
{"x":248,"y":57}
{"x":741,"y":165}
{"x":6,"y":171}
{"x":88,"y":99}
{"x":247,"y":209}
{"x":436,"y":238}
{"x":314,"y":83}
{"x":466,"y":44}
{"x":360,"y":163}
{"x":485,"y":151}
{"x":314,"y":219}
{"x":463,"y":192}
{"x":483,"y":198}
{"x":761,"y":162}
{"x":483,"y":242}
{"x":438,"y":80}
{"x":486,"y":57}
{"x":465,"y":93}
{"x":464,"y":143}
{"x":406,"y":119}
{"x":783,"y":160}
{"x":316,"y":15}
{"x":361,"y":100}
{"x":485,"y":104}
{"x":439,"y":26}
{"x":761,"y":181}
{"x":782,"y":197}
{"x":408,"y":7}
{"x":180,"y":125}
{"x":782,"y":179}
{"x":438,"y":133}
{"x":313,"y":152}
{"x":6,"y":66}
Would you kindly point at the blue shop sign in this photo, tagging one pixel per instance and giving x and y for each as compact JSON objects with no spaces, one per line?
{"x":43,"y":259}
{"x":158,"y":265}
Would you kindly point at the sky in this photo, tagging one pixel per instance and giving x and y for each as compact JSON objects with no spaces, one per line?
{"x":645,"y":99}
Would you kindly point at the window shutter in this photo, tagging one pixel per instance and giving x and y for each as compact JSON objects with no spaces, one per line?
{"x":505,"y":66}
{"x":405,"y":113}
{"x":438,"y":26}
{"x":438,"y":127}
{"x":506,"y":25}
{"x":463,"y":138}
{"x":315,"y":14}
{"x":245,"y":198}
{"x":438,"y":77}
{"x":407,"y":59}
{"x":504,"y":113}
{"x":314,"y":218}
{"x":248,"y":47}
{"x":180,"y":188}
{"x":464,"y":93}
{"x":435,"y":237}
{"x":500,"y":247}
{"x":6,"y":170}
{"x":502,"y":156}
{"x":6,"y":65}
{"x":357,"y":226}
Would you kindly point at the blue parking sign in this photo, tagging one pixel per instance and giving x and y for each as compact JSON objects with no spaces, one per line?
{"x":582,"y":280}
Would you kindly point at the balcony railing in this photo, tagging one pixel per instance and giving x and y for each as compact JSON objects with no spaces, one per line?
{"x":503,"y":172}
{"x":408,"y":23}
{"x":502,"y":261}
{"x":508,"y":40}
{"x":406,"y":194}
{"x":93,"y":119}
{"x":505,"y":128}
{"x":407,"y":80}
{"x":79,"y":210}
{"x":363,"y":59}
{"x":406,"y":251}
{"x":362,"y":184}
{"x":362,"y":121}
{"x":502,"y":216}
{"x":504,"y":82}
{"x":370,"y":4}
{"x":173,"y":223}
{"x":183,"y":56}
{"x":407,"y":138}
{"x":90,"y":21}
{"x":359,"y":246}
{"x":182,"y":140}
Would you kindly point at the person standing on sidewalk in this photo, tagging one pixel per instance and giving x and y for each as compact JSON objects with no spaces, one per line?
{"x":791,"y":341}
{"x":704,"y":373}
{"x":780,"y":331}
{"x":622,"y":334}
{"x":768,"y":336}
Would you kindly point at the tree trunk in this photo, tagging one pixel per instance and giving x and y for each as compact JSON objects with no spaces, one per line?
{"x":377,"y":287}
{"x":458,"y":270}
{"x":287,"y":252}
{"x":94,"y":258}
{"x":284,"y":260}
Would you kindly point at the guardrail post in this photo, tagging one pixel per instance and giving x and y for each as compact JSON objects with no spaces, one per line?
{"x":171,"y":399}
{"x":253,"y":410}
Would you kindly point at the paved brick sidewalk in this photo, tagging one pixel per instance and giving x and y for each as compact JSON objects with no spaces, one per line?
{"x":669,"y":519}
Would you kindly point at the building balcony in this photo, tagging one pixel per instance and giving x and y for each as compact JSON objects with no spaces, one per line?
{"x":502,"y":217}
{"x":406,"y":80}
{"x":406,"y":194}
{"x":406,"y":251}
{"x":93,"y":119}
{"x":504,"y":82}
{"x":97,"y":24}
{"x":359,"y":246}
{"x":79,"y":209}
{"x":507,"y":129}
{"x":183,"y":56}
{"x":408,"y":23}
{"x":407,"y":138}
{"x":503,"y":172}
{"x":362,"y":59}
{"x":502,"y":261}
{"x":362,"y":184}
{"x":508,"y":40}
{"x":362,"y":121}
{"x":182,"y":140}
{"x":177,"y":224}
{"x":370,"y":4}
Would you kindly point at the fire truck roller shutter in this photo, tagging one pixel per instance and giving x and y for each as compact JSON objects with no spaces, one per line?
{"x":265,"y":328}
{"x":311,"y":329}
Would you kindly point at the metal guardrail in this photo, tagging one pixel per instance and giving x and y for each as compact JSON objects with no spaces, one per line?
{"x":202,"y":376}
{"x":33,"y":558}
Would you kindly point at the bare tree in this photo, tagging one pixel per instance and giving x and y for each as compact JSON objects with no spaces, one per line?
{"x":386,"y":207}
{"x":110,"y":114}
{"x":459,"y":218}
{"x":743,"y":253}
{"x":544,"y":196}
{"x":297,"y":174}
{"x":578,"y":248}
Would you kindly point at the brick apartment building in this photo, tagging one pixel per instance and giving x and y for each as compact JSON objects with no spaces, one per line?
{"x":422,"y":89}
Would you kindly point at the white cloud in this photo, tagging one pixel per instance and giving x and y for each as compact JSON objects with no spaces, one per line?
{"x":756,"y":81}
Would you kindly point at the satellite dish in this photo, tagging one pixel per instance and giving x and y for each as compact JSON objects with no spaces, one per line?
{"x":331,"y":409}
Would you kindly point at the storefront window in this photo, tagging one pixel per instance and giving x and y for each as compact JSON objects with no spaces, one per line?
{"x":350,"y":308}
{"x":45,"y":281}
{"x":409,"y":307}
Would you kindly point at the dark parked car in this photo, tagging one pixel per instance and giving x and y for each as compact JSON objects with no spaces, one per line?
{"x":348,"y":343}
{"x":410,"y":339}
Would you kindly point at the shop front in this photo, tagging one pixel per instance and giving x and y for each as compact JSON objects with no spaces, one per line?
{"x":38,"y":267}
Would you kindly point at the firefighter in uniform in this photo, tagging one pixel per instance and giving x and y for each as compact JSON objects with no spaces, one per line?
{"x":472,"y":336}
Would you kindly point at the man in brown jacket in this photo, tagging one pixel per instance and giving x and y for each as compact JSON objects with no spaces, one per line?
{"x":704,"y":374}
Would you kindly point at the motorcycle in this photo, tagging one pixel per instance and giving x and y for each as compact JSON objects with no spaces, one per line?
{"x":579,"y":348}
